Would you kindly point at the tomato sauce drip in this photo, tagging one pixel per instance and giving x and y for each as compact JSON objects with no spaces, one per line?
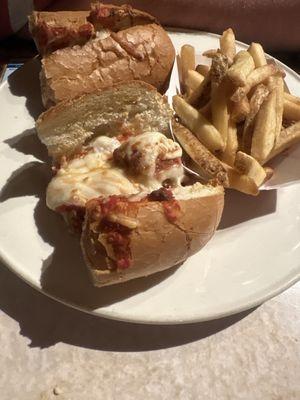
{"x":166,"y":164}
{"x":170,"y":205}
{"x":58,"y":37}
{"x":162,"y":194}
{"x":118,"y":236}
{"x":171,"y":210}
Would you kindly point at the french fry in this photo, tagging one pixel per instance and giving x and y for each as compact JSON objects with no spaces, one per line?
{"x":202,"y":69}
{"x":208,"y":166}
{"x":240,"y":110}
{"x":258,"y":97}
{"x":257,"y":76}
{"x":227,"y":44}
{"x":240,"y":129}
{"x":247,"y":165}
{"x":187,"y":57}
{"x":219,"y":68}
{"x":269,"y":173}
{"x":286,"y":88}
{"x":229,"y":154}
{"x":276,"y":84}
{"x":287,"y":138}
{"x":193,"y":81}
{"x":219,"y":109}
{"x":258,"y":54}
{"x":292,"y":98}
{"x":242,"y":66}
{"x":242,"y":183}
{"x":180,"y":73}
{"x":291,"y":110}
{"x":217,"y":72}
{"x":264,"y":133}
{"x":206,"y":110}
{"x":201,"y":91}
{"x":198,"y":124}
{"x":210,"y":53}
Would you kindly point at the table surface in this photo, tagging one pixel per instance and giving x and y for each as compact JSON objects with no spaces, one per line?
{"x":48,"y":348}
{"x":50,"y":351}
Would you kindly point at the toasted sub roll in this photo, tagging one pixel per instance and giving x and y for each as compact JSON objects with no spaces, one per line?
{"x":163,"y":234}
{"x":56,"y":30}
{"x":141,"y":53}
{"x":115,"y":18}
{"x":131,"y":107}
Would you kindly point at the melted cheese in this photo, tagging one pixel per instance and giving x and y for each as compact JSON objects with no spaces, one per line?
{"x":95,"y":174}
{"x":145,"y":150}
{"x":89,"y":176}
{"x":150,"y":146}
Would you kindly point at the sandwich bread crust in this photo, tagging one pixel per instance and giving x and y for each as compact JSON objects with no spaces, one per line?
{"x":156,"y":243}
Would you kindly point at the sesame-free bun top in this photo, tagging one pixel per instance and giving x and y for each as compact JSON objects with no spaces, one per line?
{"x":142,"y":52}
{"x":134,"y":106}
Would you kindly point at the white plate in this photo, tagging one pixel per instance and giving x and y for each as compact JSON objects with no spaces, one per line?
{"x":254,"y":255}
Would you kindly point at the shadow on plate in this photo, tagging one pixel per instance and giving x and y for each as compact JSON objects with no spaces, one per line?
{"x":64,"y":273}
{"x":28,"y":142}
{"x":240,"y":207}
{"x":25,"y":82}
{"x":46,"y":322}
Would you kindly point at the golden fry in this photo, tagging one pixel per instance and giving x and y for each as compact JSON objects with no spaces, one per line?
{"x":292,"y":98}
{"x":206,"y":110}
{"x":242,"y":66}
{"x":202,"y":69}
{"x":187,"y":57}
{"x":240,"y":110}
{"x":180,"y":73}
{"x":264,"y":133}
{"x":269,"y":173}
{"x":260,"y":94}
{"x":210,"y":53}
{"x":276,"y":84}
{"x":219,"y":109}
{"x":286,"y":88}
{"x":227,"y":44}
{"x":229,"y":154}
{"x":249,"y":166}
{"x":208,"y":166}
{"x":258,"y":54}
{"x":198,"y":124}
{"x":257,"y":76}
{"x":193,"y":81}
{"x":291,"y":110}
{"x":195,"y":96}
{"x":287,"y":138}
{"x":242,"y":183}
{"x":219,"y":68}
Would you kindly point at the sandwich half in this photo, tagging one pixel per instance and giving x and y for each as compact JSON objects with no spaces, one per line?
{"x":120,"y":183}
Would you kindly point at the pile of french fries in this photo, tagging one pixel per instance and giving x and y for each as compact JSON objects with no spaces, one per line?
{"x":240,"y":111}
